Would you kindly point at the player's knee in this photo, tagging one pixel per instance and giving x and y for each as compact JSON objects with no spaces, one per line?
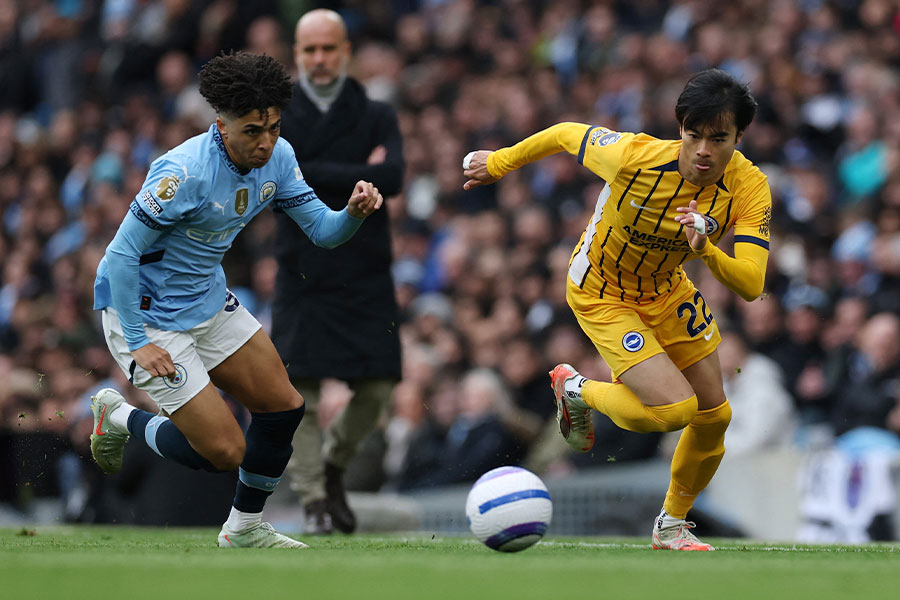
{"x":675,"y":423}
{"x":228,"y":458}
{"x":725,"y":414}
{"x":677,"y":416}
{"x":717,"y":418}
{"x":290,"y":399}
{"x":296,"y":402}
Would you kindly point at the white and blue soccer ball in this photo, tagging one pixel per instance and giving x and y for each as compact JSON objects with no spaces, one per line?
{"x":509,"y":509}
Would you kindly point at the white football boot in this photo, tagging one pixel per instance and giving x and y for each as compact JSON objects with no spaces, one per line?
{"x":572,"y":414}
{"x":262,"y":535}
{"x":670,"y":533}
{"x":107,"y":442}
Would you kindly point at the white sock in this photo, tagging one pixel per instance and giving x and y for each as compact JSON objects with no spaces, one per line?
{"x":573,"y":385}
{"x":242,"y":521}
{"x":664,"y":521}
{"x":119,"y":417}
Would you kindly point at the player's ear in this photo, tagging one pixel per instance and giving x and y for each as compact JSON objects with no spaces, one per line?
{"x":737,"y":138}
{"x":222,"y":126}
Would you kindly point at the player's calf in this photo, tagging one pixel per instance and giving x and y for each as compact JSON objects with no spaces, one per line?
{"x":269,"y":438}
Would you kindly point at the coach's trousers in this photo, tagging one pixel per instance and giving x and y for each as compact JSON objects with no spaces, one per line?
{"x":340,"y":440}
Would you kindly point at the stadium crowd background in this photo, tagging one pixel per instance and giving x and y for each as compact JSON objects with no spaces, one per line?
{"x":93,"y":91}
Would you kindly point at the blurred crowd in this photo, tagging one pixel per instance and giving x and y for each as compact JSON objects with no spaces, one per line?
{"x":93,"y":91}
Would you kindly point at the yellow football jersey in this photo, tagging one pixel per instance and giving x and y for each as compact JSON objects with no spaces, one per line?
{"x":633,"y":249}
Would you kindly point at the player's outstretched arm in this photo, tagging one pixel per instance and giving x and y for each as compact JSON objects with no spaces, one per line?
{"x":330,"y":228}
{"x":364,"y":200}
{"x":483,"y":167}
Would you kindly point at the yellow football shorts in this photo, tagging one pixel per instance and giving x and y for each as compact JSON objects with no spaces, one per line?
{"x":679,"y":324}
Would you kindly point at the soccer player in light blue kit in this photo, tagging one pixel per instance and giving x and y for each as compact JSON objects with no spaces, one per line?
{"x":171,"y":323}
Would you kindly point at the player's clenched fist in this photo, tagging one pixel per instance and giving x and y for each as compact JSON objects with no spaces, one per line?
{"x":364,"y":201}
{"x":475,"y":168}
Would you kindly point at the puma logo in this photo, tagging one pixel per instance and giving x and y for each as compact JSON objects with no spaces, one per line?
{"x":220,"y":207}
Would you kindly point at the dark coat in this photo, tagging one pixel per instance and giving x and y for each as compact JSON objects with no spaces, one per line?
{"x":334,"y":312}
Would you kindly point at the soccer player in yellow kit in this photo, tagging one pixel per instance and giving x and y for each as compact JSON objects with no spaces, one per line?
{"x":664,"y":202}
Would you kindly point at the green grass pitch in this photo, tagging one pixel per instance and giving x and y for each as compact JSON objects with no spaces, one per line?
{"x":161,"y":564}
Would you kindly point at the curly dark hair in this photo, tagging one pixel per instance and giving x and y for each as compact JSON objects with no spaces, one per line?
{"x":238,"y":82}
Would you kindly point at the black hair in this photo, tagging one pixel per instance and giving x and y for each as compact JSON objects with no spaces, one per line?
{"x":238,"y":82}
{"x":710,"y":96}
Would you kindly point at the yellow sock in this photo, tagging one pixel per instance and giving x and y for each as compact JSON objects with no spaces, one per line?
{"x":697,"y":456}
{"x":627,"y":411}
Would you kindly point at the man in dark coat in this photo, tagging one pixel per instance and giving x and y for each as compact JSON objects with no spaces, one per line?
{"x":334,"y":313}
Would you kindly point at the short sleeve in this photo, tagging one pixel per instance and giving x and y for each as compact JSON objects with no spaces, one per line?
{"x":170,"y":190}
{"x":604,"y":151}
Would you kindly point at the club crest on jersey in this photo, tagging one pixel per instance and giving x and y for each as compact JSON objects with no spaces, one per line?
{"x":267,"y":191}
{"x":712,"y":225}
{"x":604,"y":137}
{"x":166,"y":188}
{"x":178,"y":380}
{"x":241,"y":200}
{"x":767,"y":219}
{"x":633,"y":341}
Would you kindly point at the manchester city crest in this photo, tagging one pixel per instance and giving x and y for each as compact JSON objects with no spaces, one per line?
{"x":178,"y":380}
{"x":267,"y":191}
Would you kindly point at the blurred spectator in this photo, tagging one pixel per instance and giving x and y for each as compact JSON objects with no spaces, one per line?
{"x":479,"y":439}
{"x":763,"y":412}
{"x":408,"y":414}
{"x":851,"y":252}
{"x":864,"y":376}
{"x":426,"y":440}
{"x":523,"y":369}
{"x":762,"y":324}
{"x":862,"y":160}
{"x":805,"y":310}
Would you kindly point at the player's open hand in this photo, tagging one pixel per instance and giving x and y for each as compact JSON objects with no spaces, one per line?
{"x":364,"y":201}
{"x":475,"y":168}
{"x":154,"y":360}
{"x":694,"y":225}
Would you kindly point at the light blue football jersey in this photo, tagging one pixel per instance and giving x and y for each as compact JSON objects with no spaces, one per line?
{"x":163,"y":267}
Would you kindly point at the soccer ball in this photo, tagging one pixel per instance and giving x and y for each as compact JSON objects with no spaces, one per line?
{"x":509,"y":509}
